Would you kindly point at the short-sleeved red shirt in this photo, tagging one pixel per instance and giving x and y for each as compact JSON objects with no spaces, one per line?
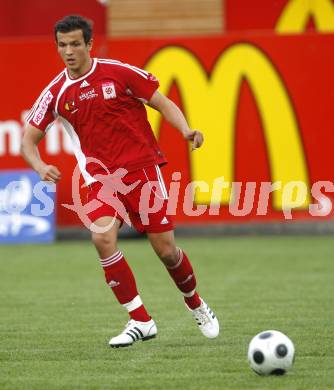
{"x":104,"y":114}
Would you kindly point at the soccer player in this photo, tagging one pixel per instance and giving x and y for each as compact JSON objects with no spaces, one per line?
{"x":101,"y":104}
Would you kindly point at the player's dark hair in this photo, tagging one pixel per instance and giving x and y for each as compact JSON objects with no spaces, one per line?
{"x":75,"y":22}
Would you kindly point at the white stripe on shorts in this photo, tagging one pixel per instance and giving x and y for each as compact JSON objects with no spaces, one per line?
{"x":161,"y":182}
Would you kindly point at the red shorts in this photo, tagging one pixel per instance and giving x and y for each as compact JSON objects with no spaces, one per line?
{"x":139,"y":198}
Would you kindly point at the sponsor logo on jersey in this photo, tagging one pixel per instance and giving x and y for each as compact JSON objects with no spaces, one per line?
{"x":109,"y":91}
{"x":88,"y":95}
{"x":84,"y":84}
{"x":42,"y":108}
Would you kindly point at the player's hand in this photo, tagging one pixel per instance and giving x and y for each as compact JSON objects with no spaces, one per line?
{"x":196,"y":137}
{"x":49,"y":173}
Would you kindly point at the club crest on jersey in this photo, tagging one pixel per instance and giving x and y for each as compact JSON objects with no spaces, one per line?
{"x":109,"y":91}
{"x":70,"y":106}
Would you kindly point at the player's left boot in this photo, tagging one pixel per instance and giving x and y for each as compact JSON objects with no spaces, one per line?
{"x":206,"y":320}
{"x":134,"y":331}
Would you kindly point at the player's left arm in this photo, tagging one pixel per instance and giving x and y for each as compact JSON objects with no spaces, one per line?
{"x":175,"y":117}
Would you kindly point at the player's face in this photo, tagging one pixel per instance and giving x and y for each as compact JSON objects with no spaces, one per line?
{"x":74,"y":52}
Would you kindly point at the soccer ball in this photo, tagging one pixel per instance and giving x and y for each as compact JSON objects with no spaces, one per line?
{"x":271,"y":353}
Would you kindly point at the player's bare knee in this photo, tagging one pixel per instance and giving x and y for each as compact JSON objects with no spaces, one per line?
{"x":168,"y":255}
{"x":104,"y":241}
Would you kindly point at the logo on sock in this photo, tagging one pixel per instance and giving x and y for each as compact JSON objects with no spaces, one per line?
{"x":113,"y":283}
{"x":186,"y":279}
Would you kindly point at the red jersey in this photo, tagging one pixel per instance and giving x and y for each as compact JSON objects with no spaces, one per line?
{"x":104,"y":114}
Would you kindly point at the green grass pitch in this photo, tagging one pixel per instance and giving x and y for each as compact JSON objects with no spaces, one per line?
{"x":57,"y":315}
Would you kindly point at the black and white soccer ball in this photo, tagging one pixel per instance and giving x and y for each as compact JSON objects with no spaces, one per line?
{"x":271,"y":353}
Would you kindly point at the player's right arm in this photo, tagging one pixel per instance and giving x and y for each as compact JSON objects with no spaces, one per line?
{"x":29,"y":151}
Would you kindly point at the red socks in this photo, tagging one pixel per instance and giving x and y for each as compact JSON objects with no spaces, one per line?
{"x":121,"y":280}
{"x":183,"y":275}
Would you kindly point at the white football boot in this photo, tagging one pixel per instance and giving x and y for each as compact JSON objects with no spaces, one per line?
{"x":134,"y":331}
{"x":206,"y":320}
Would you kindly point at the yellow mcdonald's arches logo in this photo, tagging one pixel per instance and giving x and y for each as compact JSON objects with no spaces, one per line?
{"x":296,"y":14}
{"x":210,"y":104}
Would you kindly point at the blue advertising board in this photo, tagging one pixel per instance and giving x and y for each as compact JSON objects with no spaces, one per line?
{"x":27,"y":208}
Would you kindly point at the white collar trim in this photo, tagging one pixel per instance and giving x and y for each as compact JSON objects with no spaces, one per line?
{"x":72,"y":81}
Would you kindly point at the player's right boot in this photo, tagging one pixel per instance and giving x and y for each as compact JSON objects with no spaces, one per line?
{"x":134,"y":331}
{"x":206,"y":320}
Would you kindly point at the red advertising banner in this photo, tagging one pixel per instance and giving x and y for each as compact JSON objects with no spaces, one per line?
{"x":280,"y":16}
{"x":243,"y":15}
{"x":34,"y":17}
{"x":264,"y":105}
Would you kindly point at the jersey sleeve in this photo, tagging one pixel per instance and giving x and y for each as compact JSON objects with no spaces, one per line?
{"x":141,"y":83}
{"x":41,"y":115}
